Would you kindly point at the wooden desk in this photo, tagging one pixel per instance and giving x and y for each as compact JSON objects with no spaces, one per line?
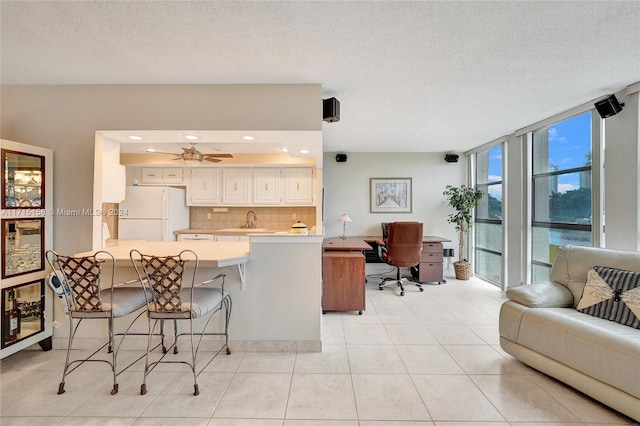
{"x":345,"y":244}
{"x":343,"y":274}
{"x":430,"y":267}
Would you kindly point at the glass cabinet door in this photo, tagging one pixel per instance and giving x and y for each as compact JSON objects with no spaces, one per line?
{"x":23,"y":180}
{"x":22,"y":310}
{"x":22,"y":246}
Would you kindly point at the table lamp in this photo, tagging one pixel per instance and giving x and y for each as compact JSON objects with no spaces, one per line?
{"x":344,"y":219}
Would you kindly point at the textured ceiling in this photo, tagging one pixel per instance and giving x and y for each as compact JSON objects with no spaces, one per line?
{"x":410,"y":76}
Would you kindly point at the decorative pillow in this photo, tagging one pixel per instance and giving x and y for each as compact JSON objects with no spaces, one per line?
{"x":612,"y":294}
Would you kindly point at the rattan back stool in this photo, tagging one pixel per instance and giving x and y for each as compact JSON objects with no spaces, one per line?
{"x":175,"y":298}
{"x":91,"y":294}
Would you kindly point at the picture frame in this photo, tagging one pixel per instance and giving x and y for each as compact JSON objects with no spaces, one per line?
{"x":390,"y":195}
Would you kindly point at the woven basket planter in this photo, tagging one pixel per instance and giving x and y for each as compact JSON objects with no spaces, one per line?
{"x":463,"y":270}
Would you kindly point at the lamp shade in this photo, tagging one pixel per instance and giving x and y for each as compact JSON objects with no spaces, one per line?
{"x":344,"y":218}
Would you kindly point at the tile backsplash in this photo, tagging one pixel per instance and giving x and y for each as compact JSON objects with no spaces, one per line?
{"x":279,"y":218}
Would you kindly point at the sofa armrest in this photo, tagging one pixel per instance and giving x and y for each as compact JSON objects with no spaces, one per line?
{"x":542,"y":295}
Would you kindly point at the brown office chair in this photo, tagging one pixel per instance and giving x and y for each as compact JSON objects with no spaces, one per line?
{"x":402,"y":249}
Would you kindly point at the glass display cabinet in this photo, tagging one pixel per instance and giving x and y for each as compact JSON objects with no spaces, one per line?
{"x":22,"y":179}
{"x":26,"y":226}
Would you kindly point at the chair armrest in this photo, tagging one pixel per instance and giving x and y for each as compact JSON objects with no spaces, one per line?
{"x":542,"y":295}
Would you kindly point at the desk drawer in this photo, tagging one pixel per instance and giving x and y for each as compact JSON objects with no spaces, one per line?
{"x":430,"y":272}
{"x":431,"y":256}
{"x":432,"y":247}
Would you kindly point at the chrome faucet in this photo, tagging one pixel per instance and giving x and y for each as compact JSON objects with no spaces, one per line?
{"x":251,"y":218}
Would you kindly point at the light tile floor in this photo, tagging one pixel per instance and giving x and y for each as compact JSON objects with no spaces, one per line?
{"x":430,"y":358}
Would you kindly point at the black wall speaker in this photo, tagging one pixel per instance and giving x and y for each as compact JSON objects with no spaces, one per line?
{"x":451,"y":158}
{"x":331,"y":110}
{"x":341,"y":158}
{"x":608,"y":106}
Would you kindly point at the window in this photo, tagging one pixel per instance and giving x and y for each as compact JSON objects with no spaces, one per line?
{"x":561,"y":189}
{"x":488,"y":219}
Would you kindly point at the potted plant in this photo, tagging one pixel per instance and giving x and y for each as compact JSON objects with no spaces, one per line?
{"x":463,"y":199}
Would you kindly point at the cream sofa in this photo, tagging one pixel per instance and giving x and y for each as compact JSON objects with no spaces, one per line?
{"x":540,"y":326}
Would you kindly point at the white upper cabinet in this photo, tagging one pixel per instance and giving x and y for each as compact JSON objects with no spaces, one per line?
{"x":236,"y":186}
{"x":266,"y":186}
{"x":246,"y":186}
{"x":172,"y":175}
{"x":298,"y":185}
{"x":204,"y":187}
{"x":161,"y":176}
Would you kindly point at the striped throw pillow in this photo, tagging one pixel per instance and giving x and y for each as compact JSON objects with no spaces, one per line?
{"x":612,"y":294}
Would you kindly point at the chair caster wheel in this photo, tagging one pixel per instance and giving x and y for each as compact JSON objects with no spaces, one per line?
{"x":164,"y":350}
{"x":359,"y":312}
{"x":175,"y":350}
{"x":143,"y":389}
{"x":421,"y":289}
{"x":109,"y":350}
{"x":228,"y":351}
{"x":115,"y":389}
{"x":196,"y":391}
{"x":61,"y":388}
{"x":402,"y":293}
{"x":324,"y":312}
{"x":380,"y":288}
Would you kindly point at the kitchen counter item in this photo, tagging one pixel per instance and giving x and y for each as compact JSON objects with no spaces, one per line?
{"x":299,"y":228}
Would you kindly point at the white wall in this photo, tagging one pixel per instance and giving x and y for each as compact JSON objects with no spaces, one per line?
{"x":622,"y":175}
{"x":346,"y":190}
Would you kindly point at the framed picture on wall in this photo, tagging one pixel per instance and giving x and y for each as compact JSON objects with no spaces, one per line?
{"x":390,"y":195}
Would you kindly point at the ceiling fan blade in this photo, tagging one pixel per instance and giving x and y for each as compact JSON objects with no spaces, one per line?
{"x":219,"y":155}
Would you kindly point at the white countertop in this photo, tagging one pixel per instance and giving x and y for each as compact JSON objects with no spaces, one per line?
{"x":216,"y":253}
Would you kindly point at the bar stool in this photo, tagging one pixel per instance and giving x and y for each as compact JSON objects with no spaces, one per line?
{"x":88,"y":298}
{"x":163,"y":277}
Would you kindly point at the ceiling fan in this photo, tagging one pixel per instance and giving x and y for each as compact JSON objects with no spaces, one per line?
{"x":191,"y":154}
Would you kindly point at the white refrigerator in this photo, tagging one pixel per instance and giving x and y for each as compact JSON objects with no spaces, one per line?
{"x":152,"y":213}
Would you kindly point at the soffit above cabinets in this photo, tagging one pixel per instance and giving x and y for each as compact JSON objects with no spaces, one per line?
{"x":219,"y":141}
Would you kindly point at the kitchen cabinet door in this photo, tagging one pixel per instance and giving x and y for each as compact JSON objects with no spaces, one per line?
{"x":151,"y":175}
{"x":171,"y":175}
{"x":161,"y":175}
{"x":196,"y":237}
{"x":266,"y":186}
{"x":298,"y":185}
{"x":204,"y":187}
{"x":236,"y":186}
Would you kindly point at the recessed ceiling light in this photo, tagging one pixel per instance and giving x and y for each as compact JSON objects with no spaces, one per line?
{"x":191,"y":137}
{"x":248,"y":138}
{"x":304,"y":151}
{"x":284,"y":149}
{"x":135,"y":138}
{"x":151,"y":150}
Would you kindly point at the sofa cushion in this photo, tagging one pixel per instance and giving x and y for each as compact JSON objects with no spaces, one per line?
{"x":541,"y":295}
{"x":602,"y":349}
{"x":572,"y":264}
{"x":612,"y":294}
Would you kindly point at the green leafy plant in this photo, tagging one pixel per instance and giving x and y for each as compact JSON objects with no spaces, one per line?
{"x":463,"y":199}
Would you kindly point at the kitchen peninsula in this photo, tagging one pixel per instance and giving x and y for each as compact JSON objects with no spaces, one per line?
{"x":274,"y":281}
